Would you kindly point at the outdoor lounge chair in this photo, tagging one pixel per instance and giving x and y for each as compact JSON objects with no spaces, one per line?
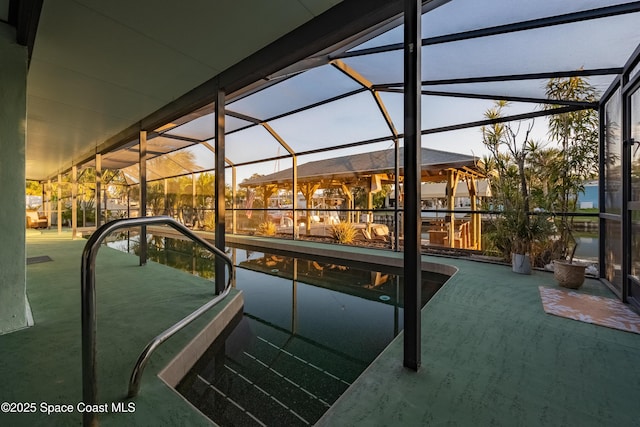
{"x":378,"y":232}
{"x":285,"y":221}
{"x":331,"y":220}
{"x":36,"y":220}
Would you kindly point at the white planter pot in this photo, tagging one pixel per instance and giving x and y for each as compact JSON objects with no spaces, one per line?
{"x":520,"y":263}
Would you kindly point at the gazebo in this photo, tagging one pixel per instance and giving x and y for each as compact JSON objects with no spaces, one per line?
{"x":370,"y":171}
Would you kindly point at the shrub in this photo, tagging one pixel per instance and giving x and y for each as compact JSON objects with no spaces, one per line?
{"x":267,"y":228}
{"x":344,"y":232}
{"x":508,"y":233}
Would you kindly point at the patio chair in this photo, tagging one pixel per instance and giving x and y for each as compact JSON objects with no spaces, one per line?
{"x":36,"y":220}
{"x":332,"y":220}
{"x":378,"y":232}
{"x":285,"y":221}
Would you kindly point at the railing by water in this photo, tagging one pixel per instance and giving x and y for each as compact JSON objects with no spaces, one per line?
{"x":89,"y":368}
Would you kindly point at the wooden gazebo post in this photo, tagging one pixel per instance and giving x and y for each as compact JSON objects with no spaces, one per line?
{"x":307,"y":189}
{"x":347,"y":193}
{"x":452,"y":184}
{"x":473,"y":195}
{"x":267,"y":192}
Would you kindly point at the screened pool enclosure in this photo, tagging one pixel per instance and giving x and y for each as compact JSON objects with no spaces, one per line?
{"x":321,"y":140}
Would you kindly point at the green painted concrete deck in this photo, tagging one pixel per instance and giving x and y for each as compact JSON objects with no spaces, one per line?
{"x":43,"y":363}
{"x":491,"y":356}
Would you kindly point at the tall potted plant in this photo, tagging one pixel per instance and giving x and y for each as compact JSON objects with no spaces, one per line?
{"x":514,"y":226}
{"x":525,"y":233}
{"x":515,"y":229}
{"x":576,"y":159}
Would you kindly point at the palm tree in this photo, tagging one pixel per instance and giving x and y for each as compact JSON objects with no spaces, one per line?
{"x":172,"y":164}
{"x":541,"y":174}
{"x":576,"y":133}
{"x":205,"y":190}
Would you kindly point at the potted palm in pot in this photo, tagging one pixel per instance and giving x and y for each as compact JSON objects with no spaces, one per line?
{"x":516,"y":223}
{"x":576,"y":134}
{"x":521,"y":261}
{"x":528,"y":231}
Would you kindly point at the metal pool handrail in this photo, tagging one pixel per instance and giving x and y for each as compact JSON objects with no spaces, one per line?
{"x":88,"y":278}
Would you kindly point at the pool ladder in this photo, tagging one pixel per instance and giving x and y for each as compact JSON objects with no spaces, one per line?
{"x":88,"y":314}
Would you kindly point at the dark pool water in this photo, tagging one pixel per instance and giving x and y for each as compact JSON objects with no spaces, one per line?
{"x":309,"y":328}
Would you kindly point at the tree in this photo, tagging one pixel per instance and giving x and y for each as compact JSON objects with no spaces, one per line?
{"x":205,"y":189}
{"x":360,"y":195}
{"x":540,"y":169}
{"x":514,"y":230}
{"x":501,"y":135}
{"x":576,"y":161}
{"x":33,"y":188}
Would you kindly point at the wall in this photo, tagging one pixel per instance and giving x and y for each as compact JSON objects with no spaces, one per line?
{"x":13,"y":87}
{"x":590,"y":197}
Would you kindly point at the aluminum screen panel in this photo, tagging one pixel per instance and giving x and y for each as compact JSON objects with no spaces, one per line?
{"x":473,"y":15}
{"x":314,"y":108}
{"x":162,"y":145}
{"x":315,"y":85}
{"x":355,"y":118}
{"x":203,"y":128}
{"x":252,"y":144}
{"x":534,"y":88}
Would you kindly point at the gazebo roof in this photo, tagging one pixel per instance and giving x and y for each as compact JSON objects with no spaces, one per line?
{"x":353,"y":168}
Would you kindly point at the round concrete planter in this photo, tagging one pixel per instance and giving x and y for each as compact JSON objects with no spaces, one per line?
{"x":568,"y":275}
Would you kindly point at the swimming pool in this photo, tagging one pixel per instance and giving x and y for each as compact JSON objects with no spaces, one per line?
{"x":309,"y":328}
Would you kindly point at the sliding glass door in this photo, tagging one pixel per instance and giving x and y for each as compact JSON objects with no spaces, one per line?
{"x":632,"y":240}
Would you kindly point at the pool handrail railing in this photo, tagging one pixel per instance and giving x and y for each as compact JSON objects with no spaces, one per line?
{"x":88,"y":313}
